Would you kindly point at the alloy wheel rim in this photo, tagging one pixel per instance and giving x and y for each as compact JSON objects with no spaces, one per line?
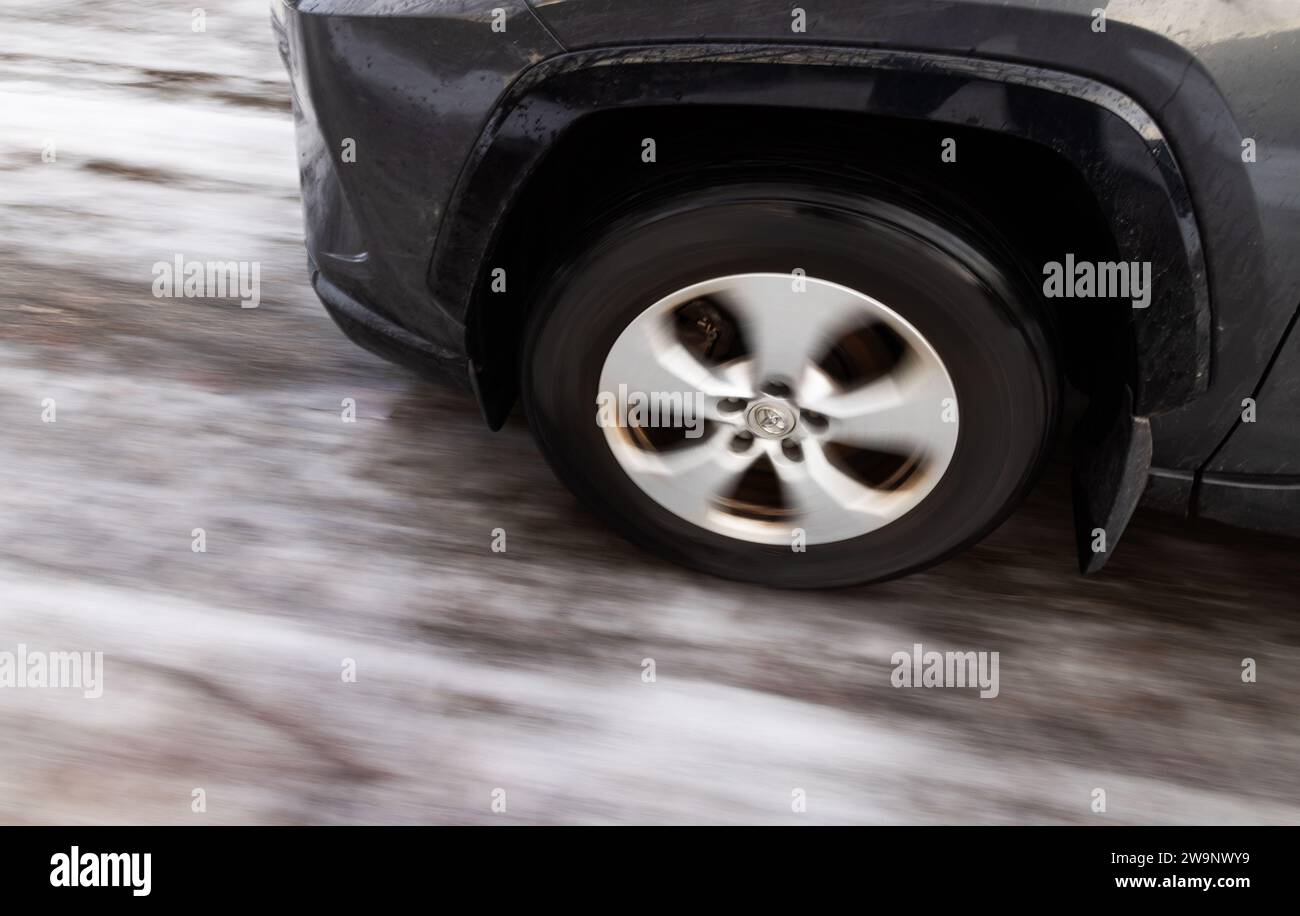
{"x":822,"y":413}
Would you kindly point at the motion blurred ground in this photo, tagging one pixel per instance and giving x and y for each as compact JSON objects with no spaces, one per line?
{"x":371,"y":541}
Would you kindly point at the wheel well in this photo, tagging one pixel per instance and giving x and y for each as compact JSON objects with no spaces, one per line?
{"x":1020,"y":199}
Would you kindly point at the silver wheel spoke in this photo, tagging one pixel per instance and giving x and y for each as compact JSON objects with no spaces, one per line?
{"x":690,"y":479}
{"x":903,"y":410}
{"x":787,"y":330}
{"x":660,"y":363}
{"x":828,"y":504}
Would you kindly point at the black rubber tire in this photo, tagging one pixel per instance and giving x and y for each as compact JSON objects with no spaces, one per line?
{"x":973,"y":312}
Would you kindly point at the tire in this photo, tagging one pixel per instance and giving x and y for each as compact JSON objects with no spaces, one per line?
{"x":973,"y":312}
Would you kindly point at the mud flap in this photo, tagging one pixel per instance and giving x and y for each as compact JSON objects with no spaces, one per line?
{"x":1112,"y":459}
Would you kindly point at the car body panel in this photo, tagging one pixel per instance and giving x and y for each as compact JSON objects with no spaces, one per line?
{"x":412,"y":85}
{"x":1263,"y":503}
{"x":1269,"y":442}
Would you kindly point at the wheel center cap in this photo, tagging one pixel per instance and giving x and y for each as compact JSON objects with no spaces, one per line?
{"x":770,"y":420}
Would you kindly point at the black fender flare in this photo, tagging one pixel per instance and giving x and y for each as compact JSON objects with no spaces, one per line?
{"x":1116,"y":146}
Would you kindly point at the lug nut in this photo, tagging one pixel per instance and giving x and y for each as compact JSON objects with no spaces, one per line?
{"x":777,"y":388}
{"x":793,"y":450}
{"x":742,"y":441}
{"x":813,"y":420}
{"x":731,"y":405}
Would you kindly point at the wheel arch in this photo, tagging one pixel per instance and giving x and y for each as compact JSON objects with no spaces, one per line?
{"x":1114,"y":147}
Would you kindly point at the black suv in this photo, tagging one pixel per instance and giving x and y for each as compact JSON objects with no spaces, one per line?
{"x":797,"y":294}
